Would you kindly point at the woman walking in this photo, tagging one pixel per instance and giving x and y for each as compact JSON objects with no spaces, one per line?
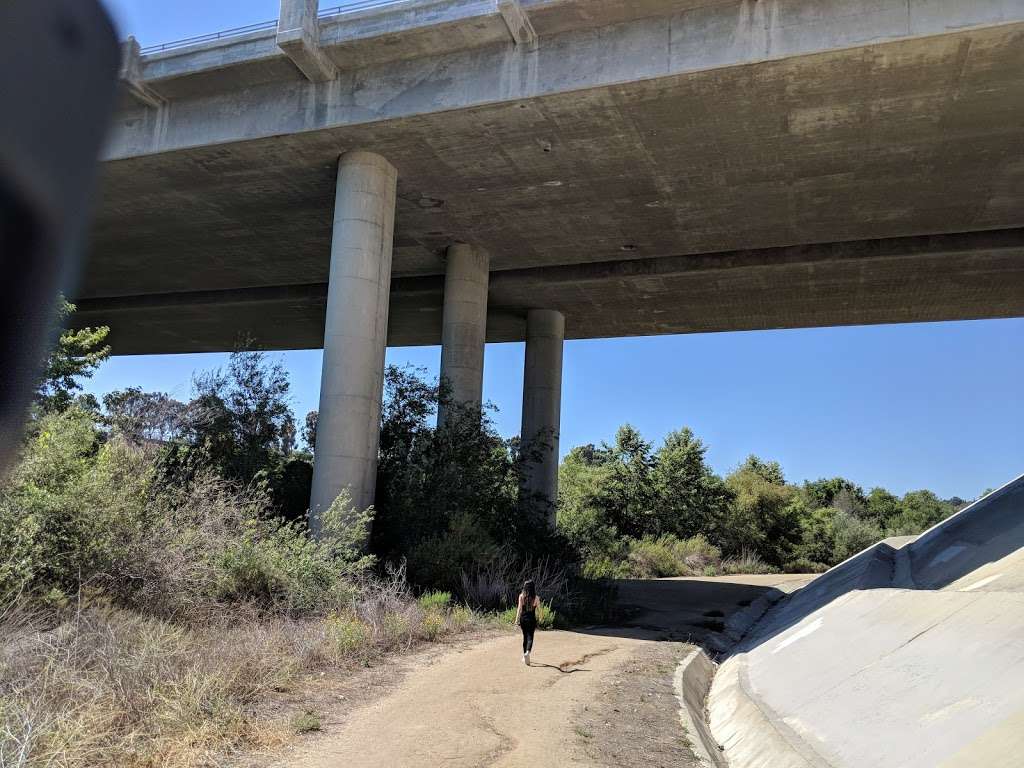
{"x":526,"y":617}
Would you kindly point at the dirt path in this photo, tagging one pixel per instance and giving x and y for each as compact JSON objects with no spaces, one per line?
{"x":587,"y":695}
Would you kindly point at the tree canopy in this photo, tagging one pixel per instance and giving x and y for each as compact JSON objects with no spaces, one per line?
{"x":76,"y":356}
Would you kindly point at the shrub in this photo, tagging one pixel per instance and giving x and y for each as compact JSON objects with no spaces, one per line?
{"x":460,"y":618}
{"x":605,"y":567}
{"x":349,"y":637}
{"x":307,"y":722}
{"x":434,"y":600}
{"x":803,"y":565}
{"x":446,"y":496}
{"x":746,"y":562}
{"x":439,"y":560}
{"x":851,"y":534}
{"x":497,"y":582}
{"x":546,"y":616}
{"x":84,"y":515}
{"x":651,"y":558}
{"x":433,"y":625}
{"x":667,"y":555}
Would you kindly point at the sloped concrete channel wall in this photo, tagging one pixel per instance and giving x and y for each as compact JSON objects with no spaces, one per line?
{"x":910,"y":653}
{"x":695,"y":673}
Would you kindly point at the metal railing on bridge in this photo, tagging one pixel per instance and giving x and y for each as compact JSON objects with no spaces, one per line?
{"x":339,"y":10}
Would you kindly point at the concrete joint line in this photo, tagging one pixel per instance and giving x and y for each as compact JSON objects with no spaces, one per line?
{"x":372,"y":281}
{"x":518,"y":23}
{"x":375,"y":223}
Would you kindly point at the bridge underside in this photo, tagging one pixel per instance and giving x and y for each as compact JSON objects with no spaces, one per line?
{"x":868,"y":184}
{"x":413,"y":176}
{"x":915,"y":279}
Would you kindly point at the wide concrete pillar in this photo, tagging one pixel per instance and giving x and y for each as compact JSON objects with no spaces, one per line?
{"x":355,"y":333}
{"x":464,"y":327}
{"x":542,"y":409}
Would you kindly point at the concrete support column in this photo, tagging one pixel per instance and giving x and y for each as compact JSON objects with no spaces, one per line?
{"x":355,"y":333}
{"x":542,"y":409}
{"x":464,"y":327}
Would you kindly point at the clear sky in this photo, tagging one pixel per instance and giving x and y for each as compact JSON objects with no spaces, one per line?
{"x":936,"y":406}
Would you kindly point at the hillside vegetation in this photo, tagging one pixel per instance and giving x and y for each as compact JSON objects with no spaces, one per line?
{"x":630,"y":510}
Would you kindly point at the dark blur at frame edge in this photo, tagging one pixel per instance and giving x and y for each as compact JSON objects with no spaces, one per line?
{"x":58,"y":76}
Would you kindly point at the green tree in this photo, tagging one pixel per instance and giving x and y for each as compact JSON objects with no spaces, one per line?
{"x":763,"y":517}
{"x":447,"y":498}
{"x":583,"y":504}
{"x":919,"y":510}
{"x":144,"y":416}
{"x":689,"y":497}
{"x":309,"y":430}
{"x":851,"y":534}
{"x":629,"y":496}
{"x":881,"y":507}
{"x":240,"y":418}
{"x":822,"y":493}
{"x":770,"y":471}
{"x":75,"y":357}
{"x":817,"y":535}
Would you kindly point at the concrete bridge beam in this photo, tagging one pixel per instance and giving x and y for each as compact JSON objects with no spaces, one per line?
{"x":464,"y":326}
{"x":130,"y":75}
{"x":355,"y":333}
{"x":298,"y":36}
{"x":542,"y":409}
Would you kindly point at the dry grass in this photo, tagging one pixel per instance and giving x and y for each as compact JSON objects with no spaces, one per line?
{"x":495,"y":583}
{"x":746,"y":562}
{"x":104,"y":687}
{"x":150,"y":621}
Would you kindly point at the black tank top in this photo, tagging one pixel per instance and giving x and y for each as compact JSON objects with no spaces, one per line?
{"x":529,"y":615}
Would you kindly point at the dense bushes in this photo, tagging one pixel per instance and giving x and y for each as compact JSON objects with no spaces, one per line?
{"x":145,"y":615}
{"x":629,"y":510}
{"x":652,"y":557}
{"x":448,"y":501}
{"x":84,"y":513}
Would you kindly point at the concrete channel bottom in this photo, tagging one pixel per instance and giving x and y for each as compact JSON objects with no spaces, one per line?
{"x":909,"y":655}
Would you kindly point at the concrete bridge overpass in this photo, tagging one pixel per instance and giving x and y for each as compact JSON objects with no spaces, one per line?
{"x":541,"y":169}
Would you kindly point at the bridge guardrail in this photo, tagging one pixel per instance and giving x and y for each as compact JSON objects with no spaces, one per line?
{"x":323,"y":13}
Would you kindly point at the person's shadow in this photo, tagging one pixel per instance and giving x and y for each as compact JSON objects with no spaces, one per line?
{"x":563,"y":670}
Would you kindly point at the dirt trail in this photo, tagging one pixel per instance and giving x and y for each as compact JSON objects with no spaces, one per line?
{"x":481,"y":706}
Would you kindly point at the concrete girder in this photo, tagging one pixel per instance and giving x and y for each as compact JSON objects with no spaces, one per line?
{"x":519,"y":25}
{"x":130,"y":75}
{"x":971,"y":275}
{"x":298,"y":35}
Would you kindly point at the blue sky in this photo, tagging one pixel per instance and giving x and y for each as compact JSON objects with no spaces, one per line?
{"x":934,"y":405}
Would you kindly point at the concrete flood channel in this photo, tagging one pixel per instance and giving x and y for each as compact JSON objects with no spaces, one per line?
{"x":712,"y":614}
{"x":909,"y":654}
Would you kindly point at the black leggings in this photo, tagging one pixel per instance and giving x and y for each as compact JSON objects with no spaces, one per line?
{"x":528,"y":627}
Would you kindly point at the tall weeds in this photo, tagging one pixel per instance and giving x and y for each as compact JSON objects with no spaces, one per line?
{"x":143,"y":623}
